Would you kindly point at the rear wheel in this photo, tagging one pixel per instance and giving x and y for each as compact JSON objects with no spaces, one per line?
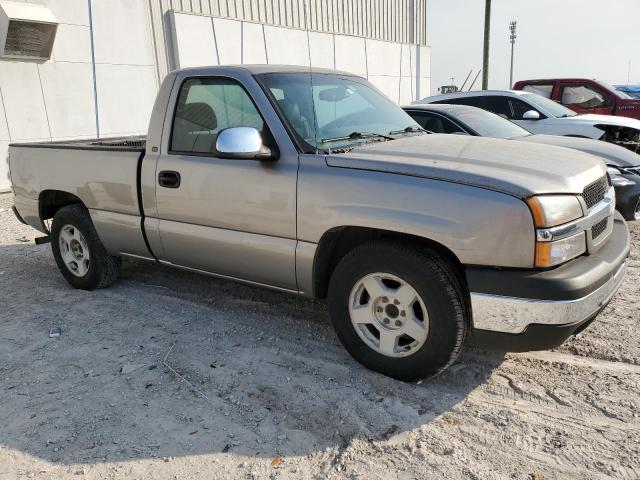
{"x":398,"y":310}
{"x":79,"y":253}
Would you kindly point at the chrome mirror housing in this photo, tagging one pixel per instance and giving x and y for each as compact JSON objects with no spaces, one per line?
{"x":243,"y":143}
{"x":531,"y":115}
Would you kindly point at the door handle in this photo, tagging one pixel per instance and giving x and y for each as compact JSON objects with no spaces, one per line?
{"x":169,"y":179}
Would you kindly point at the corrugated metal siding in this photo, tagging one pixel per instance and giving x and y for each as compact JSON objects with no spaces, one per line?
{"x":402,"y":21}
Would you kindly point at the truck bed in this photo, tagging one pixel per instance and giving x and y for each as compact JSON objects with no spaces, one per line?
{"x":118,"y":144}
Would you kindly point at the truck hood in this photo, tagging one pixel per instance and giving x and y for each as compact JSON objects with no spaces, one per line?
{"x":591,"y":119}
{"x":611,"y":154}
{"x":506,"y":166}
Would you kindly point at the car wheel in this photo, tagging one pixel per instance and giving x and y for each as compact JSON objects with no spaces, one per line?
{"x":79,"y":253}
{"x":398,"y":309}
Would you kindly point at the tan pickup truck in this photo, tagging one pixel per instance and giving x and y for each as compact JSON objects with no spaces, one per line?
{"x":314,"y":183}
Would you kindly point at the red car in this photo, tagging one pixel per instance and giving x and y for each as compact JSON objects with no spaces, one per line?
{"x":584,"y":96}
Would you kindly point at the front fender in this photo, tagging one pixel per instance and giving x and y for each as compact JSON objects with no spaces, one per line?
{"x":481,"y":227}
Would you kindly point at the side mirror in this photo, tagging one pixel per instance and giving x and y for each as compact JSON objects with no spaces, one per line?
{"x":242,"y":143}
{"x":531,"y":115}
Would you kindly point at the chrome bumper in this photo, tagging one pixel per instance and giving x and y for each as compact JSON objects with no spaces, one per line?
{"x":513,"y":315}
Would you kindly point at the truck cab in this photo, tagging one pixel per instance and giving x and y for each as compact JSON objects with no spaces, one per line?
{"x":584,"y":96}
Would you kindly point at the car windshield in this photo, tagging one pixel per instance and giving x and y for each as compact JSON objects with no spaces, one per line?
{"x":487,"y":124}
{"x":553,"y":108}
{"x":329,"y":111}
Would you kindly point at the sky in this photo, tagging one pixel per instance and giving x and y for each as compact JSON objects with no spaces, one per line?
{"x":556,"y":38}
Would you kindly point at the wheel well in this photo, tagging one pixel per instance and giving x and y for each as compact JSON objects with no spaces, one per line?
{"x":51,"y":201}
{"x":336,"y":243}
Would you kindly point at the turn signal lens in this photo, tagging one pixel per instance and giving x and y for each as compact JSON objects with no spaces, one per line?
{"x":550,"y":254}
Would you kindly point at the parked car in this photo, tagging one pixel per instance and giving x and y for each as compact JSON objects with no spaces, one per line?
{"x":584,"y":96}
{"x":315,"y":183}
{"x":542,"y":115}
{"x":623,"y":165}
{"x":632,"y":90}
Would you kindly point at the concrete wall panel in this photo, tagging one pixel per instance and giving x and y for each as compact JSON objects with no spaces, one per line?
{"x":406,"y":91}
{"x":228,"y":35}
{"x":23,"y":101}
{"x":125,"y":98}
{"x":351,"y":54}
{"x":5,"y":184}
{"x":383,"y":58}
{"x":122,"y":32}
{"x":195,"y":43}
{"x":68,"y":95}
{"x":253,"y":47}
{"x":286,"y":46}
{"x":322,"y":50}
{"x":406,"y":69}
{"x":425,"y":87}
{"x":425,"y":62}
{"x":73,"y":44}
{"x":4,"y":129}
{"x":390,"y":86}
{"x":70,"y":12}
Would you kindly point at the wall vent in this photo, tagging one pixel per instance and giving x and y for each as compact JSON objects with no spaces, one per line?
{"x":27,"y":30}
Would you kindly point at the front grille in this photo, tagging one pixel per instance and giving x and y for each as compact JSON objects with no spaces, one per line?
{"x":599,"y":228}
{"x":594,"y":192}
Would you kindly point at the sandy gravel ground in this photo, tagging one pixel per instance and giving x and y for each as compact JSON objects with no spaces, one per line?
{"x":173,"y":375}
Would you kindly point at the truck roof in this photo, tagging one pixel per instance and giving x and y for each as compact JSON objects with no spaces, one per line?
{"x":258,"y":69}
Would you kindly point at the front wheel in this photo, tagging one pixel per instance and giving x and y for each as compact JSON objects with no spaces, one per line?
{"x":399,"y":310}
{"x":78,"y":251}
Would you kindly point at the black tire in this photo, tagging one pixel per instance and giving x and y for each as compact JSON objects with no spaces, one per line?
{"x":435,"y":281}
{"x":103,"y":269}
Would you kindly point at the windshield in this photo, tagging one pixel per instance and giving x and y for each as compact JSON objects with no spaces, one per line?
{"x":335,"y":111}
{"x":487,"y":124}
{"x":553,"y":108}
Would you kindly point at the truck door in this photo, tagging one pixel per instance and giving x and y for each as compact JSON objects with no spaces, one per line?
{"x":234,"y":218}
{"x":583,"y":97}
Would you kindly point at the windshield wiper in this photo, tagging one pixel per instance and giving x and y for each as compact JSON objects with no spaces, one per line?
{"x":409,"y":129}
{"x":355,"y":136}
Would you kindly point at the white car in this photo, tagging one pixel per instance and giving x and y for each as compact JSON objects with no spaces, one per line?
{"x":540,"y":115}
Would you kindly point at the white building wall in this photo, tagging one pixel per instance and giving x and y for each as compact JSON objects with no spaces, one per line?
{"x":400,"y":71}
{"x":109,"y":56}
{"x":56,"y":99}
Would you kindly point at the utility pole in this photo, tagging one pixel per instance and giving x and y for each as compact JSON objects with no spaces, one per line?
{"x":485,"y":53}
{"x":512,"y":37}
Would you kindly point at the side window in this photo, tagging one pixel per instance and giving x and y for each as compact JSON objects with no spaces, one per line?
{"x":543,"y":90}
{"x":471,"y":101}
{"x":205,"y":107}
{"x":498,"y":105}
{"x":519,"y":108}
{"x":434,"y":123}
{"x":584,"y":96}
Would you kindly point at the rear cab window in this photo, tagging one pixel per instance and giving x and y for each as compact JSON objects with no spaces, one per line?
{"x":544,"y":90}
{"x":584,"y":96}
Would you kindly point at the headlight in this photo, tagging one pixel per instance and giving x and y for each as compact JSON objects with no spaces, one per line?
{"x":550,"y":211}
{"x":617,"y":180}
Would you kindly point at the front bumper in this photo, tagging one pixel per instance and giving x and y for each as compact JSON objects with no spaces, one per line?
{"x":516,"y":310}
